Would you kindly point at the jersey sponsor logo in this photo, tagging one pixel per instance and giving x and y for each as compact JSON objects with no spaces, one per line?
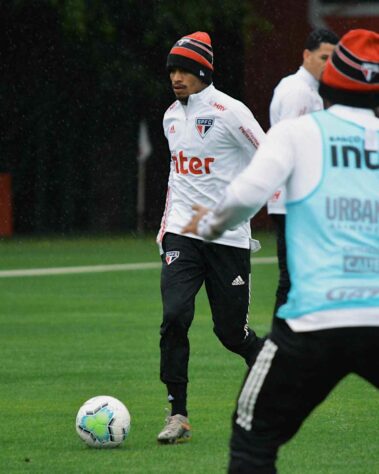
{"x":193,"y":165}
{"x":348,"y":139}
{"x":360,"y":264}
{"x":172,"y":256}
{"x":203,"y":125}
{"x":361,"y":260}
{"x":348,"y":156}
{"x":354,"y":210}
{"x":247,"y":133}
{"x":219,"y":106}
{"x":349,"y":293}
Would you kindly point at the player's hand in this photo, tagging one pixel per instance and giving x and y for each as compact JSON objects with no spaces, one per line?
{"x":191,"y":227}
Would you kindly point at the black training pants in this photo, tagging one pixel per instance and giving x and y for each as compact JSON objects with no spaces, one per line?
{"x":187,"y":264}
{"x":293,"y":373}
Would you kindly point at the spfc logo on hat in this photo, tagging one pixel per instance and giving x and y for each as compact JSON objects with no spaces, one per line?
{"x":369,"y":71}
{"x":172,"y":256}
{"x":183,"y":41}
{"x":203,"y":125}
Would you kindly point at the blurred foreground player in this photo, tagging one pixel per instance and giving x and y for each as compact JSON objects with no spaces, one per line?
{"x":329,"y":327}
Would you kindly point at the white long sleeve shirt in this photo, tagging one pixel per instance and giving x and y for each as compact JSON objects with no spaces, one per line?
{"x":295,"y":95}
{"x":291,"y":155}
{"x":211,"y":140}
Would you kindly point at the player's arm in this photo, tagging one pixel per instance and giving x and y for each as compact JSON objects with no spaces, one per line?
{"x":249,"y":191}
{"x":245,"y":130}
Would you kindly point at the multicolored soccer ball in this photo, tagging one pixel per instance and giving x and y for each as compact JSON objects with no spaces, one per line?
{"x":103,"y":422}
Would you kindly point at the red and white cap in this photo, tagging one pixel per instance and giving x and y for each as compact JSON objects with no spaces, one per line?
{"x":193,"y":53}
{"x":351,"y":75}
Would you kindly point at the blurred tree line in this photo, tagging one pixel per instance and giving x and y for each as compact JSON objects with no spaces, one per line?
{"x":77,"y":76}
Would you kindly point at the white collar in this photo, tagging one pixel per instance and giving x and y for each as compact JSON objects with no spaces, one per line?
{"x":202,"y":95}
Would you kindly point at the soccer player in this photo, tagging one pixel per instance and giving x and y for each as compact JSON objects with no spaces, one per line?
{"x":212,"y":137}
{"x":329,"y":327}
{"x":297,"y":95}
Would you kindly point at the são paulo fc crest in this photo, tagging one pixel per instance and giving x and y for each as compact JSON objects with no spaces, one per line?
{"x":370,"y":70}
{"x":203,"y":125}
{"x":172,"y":256}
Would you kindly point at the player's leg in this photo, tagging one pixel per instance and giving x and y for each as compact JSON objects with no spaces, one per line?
{"x":284,"y":279}
{"x":227,"y":284}
{"x":181,"y":278}
{"x":364,"y":352}
{"x":289,"y":379}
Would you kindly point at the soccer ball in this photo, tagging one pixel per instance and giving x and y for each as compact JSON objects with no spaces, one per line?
{"x":103,"y":422}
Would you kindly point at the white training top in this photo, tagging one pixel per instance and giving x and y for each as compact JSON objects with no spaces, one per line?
{"x":295,"y":95}
{"x":211,"y":140}
{"x":290,"y":155}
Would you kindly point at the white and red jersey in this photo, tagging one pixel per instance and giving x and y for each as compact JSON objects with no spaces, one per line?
{"x":211,"y":140}
{"x":295,"y":95}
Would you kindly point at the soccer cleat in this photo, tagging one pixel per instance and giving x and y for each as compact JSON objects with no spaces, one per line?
{"x":176,"y":430}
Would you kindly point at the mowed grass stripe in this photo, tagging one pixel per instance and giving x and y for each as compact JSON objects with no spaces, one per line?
{"x":104,"y":268}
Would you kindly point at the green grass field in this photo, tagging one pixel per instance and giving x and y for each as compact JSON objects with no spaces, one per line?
{"x":65,"y":338}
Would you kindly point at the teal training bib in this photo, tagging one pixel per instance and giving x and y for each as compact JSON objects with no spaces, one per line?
{"x":332,"y":234}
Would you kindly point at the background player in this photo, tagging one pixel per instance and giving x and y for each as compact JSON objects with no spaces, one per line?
{"x":296,"y":95}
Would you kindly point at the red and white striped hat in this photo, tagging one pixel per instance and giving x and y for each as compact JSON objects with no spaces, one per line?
{"x":193,"y":53}
{"x":351,"y":75}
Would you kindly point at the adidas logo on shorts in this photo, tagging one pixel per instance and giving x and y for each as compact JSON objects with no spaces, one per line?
{"x":238,"y":281}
